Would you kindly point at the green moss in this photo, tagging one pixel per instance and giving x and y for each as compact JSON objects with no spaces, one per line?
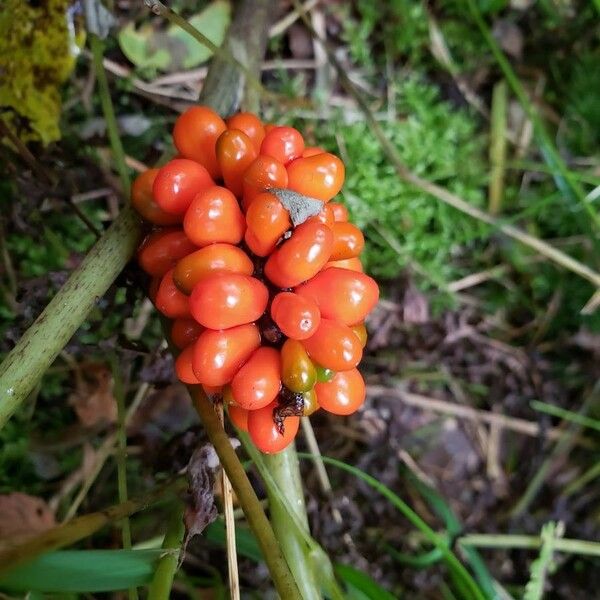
{"x":38,"y":47}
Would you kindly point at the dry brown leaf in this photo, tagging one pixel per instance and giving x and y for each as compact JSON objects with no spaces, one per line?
{"x":93,"y":399}
{"x":23,"y":516}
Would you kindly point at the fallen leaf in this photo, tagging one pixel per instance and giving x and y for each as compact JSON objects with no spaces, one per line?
{"x":201,"y":510}
{"x":23,"y":516}
{"x":93,"y":399}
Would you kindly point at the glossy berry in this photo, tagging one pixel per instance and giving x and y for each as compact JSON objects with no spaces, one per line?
{"x":214,"y":216}
{"x":216,"y":257}
{"x":312,"y":151}
{"x":283,"y":144}
{"x":320,"y":176}
{"x":360,"y":331}
{"x":258,"y":382}
{"x":195,"y":134}
{"x":238,"y":416}
{"x":235,"y":153}
{"x":219,"y":355}
{"x":184,"y":332}
{"x":343,"y":295}
{"x":250,"y":124}
{"x":144,"y":203}
{"x":302,"y":256}
{"x":162,"y":250}
{"x":264,"y":432}
{"x":176,"y":184}
{"x":344,"y":394}
{"x":183,"y":367}
{"x":296,"y":316}
{"x":324,"y":374}
{"x":348,"y":241}
{"x":169,"y":300}
{"x":223,"y":300}
{"x":340,"y":212}
{"x":311,"y":404}
{"x":334,"y":346}
{"x":298,"y":373}
{"x":267,"y":220}
{"x":263,"y":174}
{"x":351,"y":264}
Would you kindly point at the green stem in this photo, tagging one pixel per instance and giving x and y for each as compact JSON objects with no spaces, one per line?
{"x":497,"y":147}
{"x":119,"y":393}
{"x":283,"y":467}
{"x":160,"y":588}
{"x":97,"y":47}
{"x":24,"y":366}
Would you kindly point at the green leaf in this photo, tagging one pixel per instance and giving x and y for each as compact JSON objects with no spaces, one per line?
{"x":360,"y":586}
{"x":83,"y":571}
{"x":212,"y":22}
{"x":135,"y":46}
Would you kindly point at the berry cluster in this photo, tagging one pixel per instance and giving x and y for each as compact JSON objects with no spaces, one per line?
{"x":258,"y":270}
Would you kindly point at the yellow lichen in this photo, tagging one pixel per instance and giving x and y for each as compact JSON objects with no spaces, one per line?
{"x":38,"y":49}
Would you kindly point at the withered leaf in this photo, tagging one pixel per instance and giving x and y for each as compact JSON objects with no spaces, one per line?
{"x":23,"y":516}
{"x":93,"y":399}
{"x":299,"y":206}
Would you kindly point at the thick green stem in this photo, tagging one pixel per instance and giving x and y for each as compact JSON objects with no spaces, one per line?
{"x":284,"y":470}
{"x":160,"y":588}
{"x":27,"y":362}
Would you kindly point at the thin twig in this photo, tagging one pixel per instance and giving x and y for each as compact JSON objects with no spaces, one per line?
{"x":232,"y":564}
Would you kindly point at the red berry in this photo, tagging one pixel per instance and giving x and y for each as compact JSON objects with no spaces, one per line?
{"x":344,"y":394}
{"x":265,"y":433}
{"x":258,"y":382}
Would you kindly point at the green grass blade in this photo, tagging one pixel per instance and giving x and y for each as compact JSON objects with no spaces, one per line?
{"x":359,"y":585}
{"x":567,"y":415}
{"x":83,"y":571}
{"x":437,"y":540}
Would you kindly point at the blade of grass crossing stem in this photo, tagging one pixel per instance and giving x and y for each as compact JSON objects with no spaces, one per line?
{"x":566,"y":415}
{"x":162,"y":581}
{"x":437,"y":540}
{"x":119,"y":394}
{"x":97,"y":47}
{"x":562,"y":176}
{"x":497,"y":148}
{"x":303,"y":552}
{"x":82,"y":527}
{"x":83,"y":571}
{"x":439,"y":192}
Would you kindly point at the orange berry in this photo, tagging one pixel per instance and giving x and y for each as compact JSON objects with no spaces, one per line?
{"x":183,"y":367}
{"x":219,"y":355}
{"x":216,"y":257}
{"x":258,"y":382}
{"x":235,"y":153}
{"x":143,"y":201}
{"x":348,"y":241}
{"x":351,"y":264}
{"x":267,"y":221}
{"x":334,"y":346}
{"x":222,"y":300}
{"x":162,"y":249}
{"x":250,"y":124}
{"x":344,"y":394}
{"x":238,"y":416}
{"x":320,"y":176}
{"x":297,"y":370}
{"x":185,"y":332}
{"x":283,"y":144}
{"x":340,"y":212}
{"x":264,"y":432}
{"x":195,"y":134}
{"x":312,"y":151}
{"x":176,"y":184}
{"x":302,"y":256}
{"x":214,"y":216}
{"x":360,"y":331}
{"x":263,"y":174}
{"x":343,"y":295}
{"x":296,"y":316}
{"x":169,"y":300}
